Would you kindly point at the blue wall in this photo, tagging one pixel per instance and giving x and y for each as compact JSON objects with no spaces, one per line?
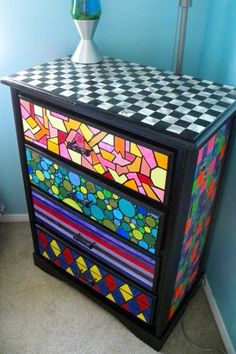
{"x":218,"y":63}
{"x":142,"y":31}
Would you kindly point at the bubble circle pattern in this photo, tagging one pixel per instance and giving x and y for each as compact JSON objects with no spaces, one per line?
{"x":116,"y":213}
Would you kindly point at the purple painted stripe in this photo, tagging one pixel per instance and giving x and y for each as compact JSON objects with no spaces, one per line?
{"x":150,"y":261}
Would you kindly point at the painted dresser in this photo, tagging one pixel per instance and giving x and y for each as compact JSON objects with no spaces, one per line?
{"x":122,"y":165}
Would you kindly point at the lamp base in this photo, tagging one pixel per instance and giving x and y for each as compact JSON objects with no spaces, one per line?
{"x":87,"y":51}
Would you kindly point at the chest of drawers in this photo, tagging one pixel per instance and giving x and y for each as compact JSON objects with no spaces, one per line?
{"x":122,"y":165}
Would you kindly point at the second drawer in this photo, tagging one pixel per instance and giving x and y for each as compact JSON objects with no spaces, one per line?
{"x":126,"y":259}
{"x":128,"y":218}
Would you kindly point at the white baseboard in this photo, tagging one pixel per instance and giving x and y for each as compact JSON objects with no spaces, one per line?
{"x":14,"y":218}
{"x":218,"y":318}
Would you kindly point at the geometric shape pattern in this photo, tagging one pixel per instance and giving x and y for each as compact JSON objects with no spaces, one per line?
{"x":127,"y":163}
{"x":126,"y":259}
{"x":178,"y":105}
{"x":128,"y":297}
{"x":208,"y":169}
{"x":114,"y":212}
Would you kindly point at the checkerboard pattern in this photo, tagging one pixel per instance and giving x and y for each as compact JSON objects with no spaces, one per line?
{"x":180,"y":105}
{"x":110,"y":286}
{"x":209,"y":165}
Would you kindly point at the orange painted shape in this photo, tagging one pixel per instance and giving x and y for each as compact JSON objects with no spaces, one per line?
{"x":187,"y":227}
{"x":200,"y":178}
{"x":97,"y":138}
{"x":149,"y":192}
{"x":135,"y":165}
{"x":120,"y":145}
{"x":107,"y":155}
{"x":162,"y":160}
{"x":131,"y":184}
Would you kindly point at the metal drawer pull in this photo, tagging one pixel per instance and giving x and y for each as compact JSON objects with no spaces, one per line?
{"x":91,"y":281}
{"x":75,"y":147}
{"x":86,"y":203}
{"x":86,"y":243}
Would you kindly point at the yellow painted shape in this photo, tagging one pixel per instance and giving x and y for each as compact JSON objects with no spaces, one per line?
{"x":135,"y":165}
{"x":150,"y":192}
{"x":69,"y":270}
{"x":126,"y":292}
{"x":56,"y":251}
{"x":75,"y":156}
{"x":54,"y":244}
{"x":81,"y":264}
{"x":99,"y":168}
{"x":96,"y":273}
{"x":119,"y":179}
{"x":53,"y":145}
{"x":107,"y":155}
{"x":86,"y":132}
{"x":158,"y":176}
{"x":131,"y":184}
{"x":45,"y":254}
{"x":162,"y":160}
{"x":110,"y":297}
{"x":141,"y":316}
{"x":55,"y":189}
{"x":72,"y":203}
{"x":31,"y":122}
{"x":57,"y":123}
{"x":135,"y":150}
{"x":72,"y":124}
{"x":40,"y":175}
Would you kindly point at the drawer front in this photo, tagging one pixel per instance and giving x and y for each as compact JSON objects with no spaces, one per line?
{"x":77,"y":190}
{"x":122,"y":257}
{"x":114,"y":288}
{"x":130,"y":164}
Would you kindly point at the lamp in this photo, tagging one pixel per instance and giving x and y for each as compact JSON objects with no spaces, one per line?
{"x":184,"y":4}
{"x":86,"y":15}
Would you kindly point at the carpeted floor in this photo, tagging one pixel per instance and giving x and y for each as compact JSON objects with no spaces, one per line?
{"x":40,"y":314}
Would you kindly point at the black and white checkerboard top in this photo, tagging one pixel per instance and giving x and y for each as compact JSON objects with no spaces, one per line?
{"x":180,"y":105}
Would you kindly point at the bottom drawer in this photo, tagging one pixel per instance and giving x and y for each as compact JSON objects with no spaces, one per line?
{"x":124,"y":294}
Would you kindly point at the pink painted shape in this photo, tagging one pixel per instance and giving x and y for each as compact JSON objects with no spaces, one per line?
{"x":119,"y":160}
{"x":203,"y":187}
{"x":141,"y":190}
{"x":25,"y":114}
{"x":71,"y":135}
{"x":25,"y":104}
{"x":58,"y":115}
{"x":30,"y":135}
{"x":199,"y":158}
{"x":87,"y":164}
{"x":130,"y":157}
{"x":148,"y":155}
{"x":105,"y":163}
{"x":210,"y":144}
{"x":53,"y":132}
{"x":40,"y":119}
{"x":127,"y":145}
{"x":43,"y":140}
{"x":105,"y":146}
{"x":145,"y":169}
{"x":94,"y":130}
{"x":212,"y":165}
{"x":160,"y":193}
{"x":121,"y":170}
{"x":64,"y":152}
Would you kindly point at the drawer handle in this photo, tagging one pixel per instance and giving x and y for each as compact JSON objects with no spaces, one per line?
{"x":75,"y":147}
{"x":86,"y":203}
{"x":86,"y":243}
{"x":88,"y":280}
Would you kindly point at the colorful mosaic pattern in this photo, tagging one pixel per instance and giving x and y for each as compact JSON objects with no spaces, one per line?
{"x":209,"y":163}
{"x":131,"y":165}
{"x":129,"y":261}
{"x":105,"y":207}
{"x":113,"y":288}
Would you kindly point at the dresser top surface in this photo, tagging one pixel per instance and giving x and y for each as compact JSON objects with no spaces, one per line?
{"x":182,"y":106}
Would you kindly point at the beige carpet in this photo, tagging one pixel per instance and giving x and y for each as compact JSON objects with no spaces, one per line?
{"x":40,"y":314}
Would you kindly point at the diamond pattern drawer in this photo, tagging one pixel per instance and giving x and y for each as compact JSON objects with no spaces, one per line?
{"x":130,"y":298}
{"x":128,"y":219}
{"x":128,"y":163}
{"x":126,"y":259}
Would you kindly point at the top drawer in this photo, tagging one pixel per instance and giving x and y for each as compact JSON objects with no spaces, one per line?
{"x":128,"y":163}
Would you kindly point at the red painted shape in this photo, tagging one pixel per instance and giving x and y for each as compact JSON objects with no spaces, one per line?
{"x":110,"y":282}
{"x":68,"y":256}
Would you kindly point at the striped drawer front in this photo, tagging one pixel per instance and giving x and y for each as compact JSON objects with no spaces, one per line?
{"x":139,"y":168}
{"x":114,"y":212}
{"x":104,"y":282}
{"x":127,"y":260}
